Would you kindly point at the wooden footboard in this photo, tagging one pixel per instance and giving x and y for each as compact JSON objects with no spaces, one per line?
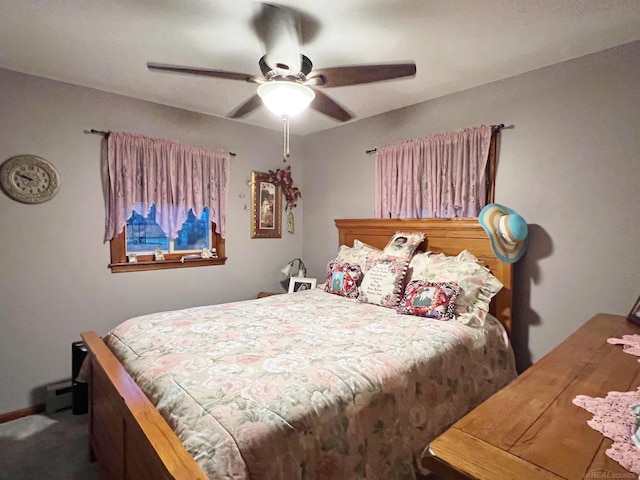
{"x":128,"y":436}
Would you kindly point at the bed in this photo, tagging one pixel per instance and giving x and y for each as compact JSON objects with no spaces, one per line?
{"x":350,"y":408}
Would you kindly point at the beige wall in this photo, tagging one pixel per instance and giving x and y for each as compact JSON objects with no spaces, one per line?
{"x":54,"y":280}
{"x":570,"y":165}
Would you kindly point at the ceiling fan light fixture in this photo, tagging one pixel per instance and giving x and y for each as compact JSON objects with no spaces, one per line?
{"x":286,"y":97}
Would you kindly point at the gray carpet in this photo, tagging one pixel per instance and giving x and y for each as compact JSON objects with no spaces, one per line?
{"x":52,"y":447}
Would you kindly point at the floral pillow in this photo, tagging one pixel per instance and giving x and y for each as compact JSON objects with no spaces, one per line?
{"x":403,"y":245}
{"x":383,"y":281}
{"x":343,"y":279}
{"x":477,"y":285}
{"x":357,"y":255}
{"x":429,"y":299}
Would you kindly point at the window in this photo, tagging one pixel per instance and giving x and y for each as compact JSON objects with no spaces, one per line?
{"x":446,"y":175}
{"x":156,"y":173}
{"x":142,"y":236}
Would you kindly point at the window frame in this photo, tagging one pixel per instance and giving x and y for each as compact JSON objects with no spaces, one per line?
{"x":119,"y":263}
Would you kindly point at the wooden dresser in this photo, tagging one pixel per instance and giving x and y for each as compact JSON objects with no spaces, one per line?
{"x":531,"y":430}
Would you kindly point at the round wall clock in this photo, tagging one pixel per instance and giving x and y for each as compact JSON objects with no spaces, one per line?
{"x":29,"y":179}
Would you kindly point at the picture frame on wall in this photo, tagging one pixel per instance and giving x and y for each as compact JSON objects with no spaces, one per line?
{"x":266,"y":207}
{"x":634,"y":314}
{"x":300,"y":284}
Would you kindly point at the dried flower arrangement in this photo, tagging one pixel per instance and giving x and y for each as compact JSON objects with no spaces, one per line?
{"x":282,"y":177}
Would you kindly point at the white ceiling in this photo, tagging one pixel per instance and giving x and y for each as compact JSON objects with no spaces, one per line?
{"x":456,"y":44}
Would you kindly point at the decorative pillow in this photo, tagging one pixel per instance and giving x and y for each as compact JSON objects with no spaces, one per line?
{"x":477,"y":285}
{"x":403,"y":244}
{"x":429,"y":299}
{"x":383,"y":281}
{"x":343,"y":279}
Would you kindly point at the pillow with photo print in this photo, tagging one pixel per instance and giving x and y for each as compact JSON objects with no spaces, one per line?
{"x":343,"y":279}
{"x":403,"y":245}
{"x":429,"y":299}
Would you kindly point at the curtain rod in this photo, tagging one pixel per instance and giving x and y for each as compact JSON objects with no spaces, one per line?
{"x":106,"y":134}
{"x":493,"y":128}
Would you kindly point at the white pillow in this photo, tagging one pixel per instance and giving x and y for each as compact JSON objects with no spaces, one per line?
{"x":477,"y":285}
{"x":357,"y":255}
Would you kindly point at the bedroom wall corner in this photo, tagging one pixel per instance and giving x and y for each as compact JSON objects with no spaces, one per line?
{"x":569,"y":166}
{"x":54,"y":278}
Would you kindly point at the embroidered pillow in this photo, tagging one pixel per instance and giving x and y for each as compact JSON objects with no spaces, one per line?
{"x":403,"y":245}
{"x":429,"y":299}
{"x":383,"y":281}
{"x":357,"y":255}
{"x":343,"y":279}
{"x":477,"y":285}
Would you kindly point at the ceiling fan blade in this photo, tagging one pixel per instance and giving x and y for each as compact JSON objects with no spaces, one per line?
{"x":327,"y":105}
{"x":204,"y":72}
{"x":246,"y":108}
{"x":357,"y":74}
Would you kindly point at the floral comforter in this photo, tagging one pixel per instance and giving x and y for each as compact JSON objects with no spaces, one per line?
{"x":310,"y":385}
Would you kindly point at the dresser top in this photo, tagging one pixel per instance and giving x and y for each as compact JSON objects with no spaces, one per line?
{"x":531,"y":427}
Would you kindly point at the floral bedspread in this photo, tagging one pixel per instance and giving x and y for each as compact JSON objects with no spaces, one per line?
{"x":310,"y":385}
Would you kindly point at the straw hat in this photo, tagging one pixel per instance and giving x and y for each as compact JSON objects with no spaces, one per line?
{"x":507,"y":231}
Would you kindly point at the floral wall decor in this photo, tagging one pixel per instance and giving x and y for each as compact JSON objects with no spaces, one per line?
{"x":282,"y":178}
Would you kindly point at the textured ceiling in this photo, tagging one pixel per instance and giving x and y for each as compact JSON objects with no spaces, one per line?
{"x":456,"y":45}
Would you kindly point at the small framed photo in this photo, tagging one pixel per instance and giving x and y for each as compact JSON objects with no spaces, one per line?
{"x":299,"y":284}
{"x":634,"y":314}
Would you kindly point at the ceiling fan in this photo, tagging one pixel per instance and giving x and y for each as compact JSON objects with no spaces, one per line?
{"x":279,"y":29}
{"x":289,"y":83}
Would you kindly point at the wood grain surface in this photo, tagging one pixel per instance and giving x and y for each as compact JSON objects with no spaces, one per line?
{"x":533,"y":421}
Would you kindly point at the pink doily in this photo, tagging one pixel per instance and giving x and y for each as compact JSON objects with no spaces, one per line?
{"x":612,"y":415}
{"x":613,"y":418}
{"x":630,"y":344}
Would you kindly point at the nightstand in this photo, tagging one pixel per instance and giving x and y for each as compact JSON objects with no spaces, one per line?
{"x":267,"y":294}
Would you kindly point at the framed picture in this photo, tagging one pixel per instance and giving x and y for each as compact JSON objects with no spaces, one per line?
{"x":266,"y":207}
{"x":634,"y":314}
{"x":299,"y":284}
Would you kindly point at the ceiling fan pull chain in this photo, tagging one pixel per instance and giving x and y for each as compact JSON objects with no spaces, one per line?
{"x":287,"y":149}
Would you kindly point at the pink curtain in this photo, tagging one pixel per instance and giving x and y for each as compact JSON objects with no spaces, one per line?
{"x":443,"y":175}
{"x":176,"y":178}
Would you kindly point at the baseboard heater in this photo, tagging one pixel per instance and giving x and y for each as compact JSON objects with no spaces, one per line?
{"x":58,"y":397}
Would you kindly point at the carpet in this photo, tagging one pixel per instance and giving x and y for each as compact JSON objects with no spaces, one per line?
{"x":51,"y":447}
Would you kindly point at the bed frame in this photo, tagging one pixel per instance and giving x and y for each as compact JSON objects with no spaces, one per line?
{"x":128,"y":436}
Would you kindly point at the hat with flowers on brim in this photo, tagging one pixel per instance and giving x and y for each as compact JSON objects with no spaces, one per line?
{"x":507,"y":230}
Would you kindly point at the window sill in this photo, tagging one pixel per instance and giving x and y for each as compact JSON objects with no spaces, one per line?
{"x":165,"y":264}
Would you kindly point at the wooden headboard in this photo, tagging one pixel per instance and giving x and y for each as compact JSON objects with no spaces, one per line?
{"x":446,"y":235}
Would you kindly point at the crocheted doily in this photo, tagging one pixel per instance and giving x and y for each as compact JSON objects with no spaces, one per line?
{"x":630,"y":344}
{"x":613,"y":416}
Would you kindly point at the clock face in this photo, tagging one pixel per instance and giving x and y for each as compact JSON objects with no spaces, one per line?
{"x":29,"y":179}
